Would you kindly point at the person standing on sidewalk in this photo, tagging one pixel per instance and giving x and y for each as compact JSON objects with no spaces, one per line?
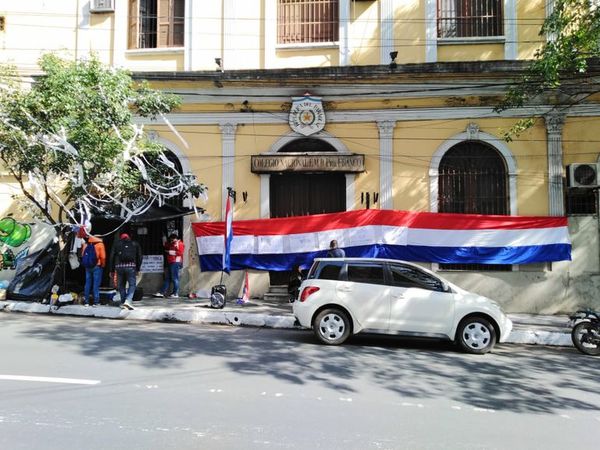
{"x":174,"y":249}
{"x":126,"y":260}
{"x":93,"y":259}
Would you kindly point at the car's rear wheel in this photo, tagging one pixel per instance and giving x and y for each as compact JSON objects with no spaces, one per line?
{"x":331,"y":326}
{"x":476,"y":335}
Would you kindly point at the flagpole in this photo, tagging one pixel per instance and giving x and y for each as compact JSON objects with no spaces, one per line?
{"x":226,"y":265}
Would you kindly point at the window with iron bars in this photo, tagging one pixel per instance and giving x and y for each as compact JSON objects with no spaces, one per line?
{"x":469,"y":18}
{"x":307,"y":21}
{"x":156,"y":23}
{"x":472,"y":179}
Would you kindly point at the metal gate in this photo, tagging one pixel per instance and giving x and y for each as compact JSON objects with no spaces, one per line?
{"x":472,"y":179}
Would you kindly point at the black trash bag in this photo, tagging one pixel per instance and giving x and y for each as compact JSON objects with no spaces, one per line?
{"x":34,"y":275}
{"x":218,"y":296}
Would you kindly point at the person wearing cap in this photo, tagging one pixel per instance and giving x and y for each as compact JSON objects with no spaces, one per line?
{"x":174,"y":249}
{"x":126,"y":261}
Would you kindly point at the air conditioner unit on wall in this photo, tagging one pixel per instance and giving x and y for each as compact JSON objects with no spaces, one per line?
{"x":583,"y":175}
{"x":102,"y":6}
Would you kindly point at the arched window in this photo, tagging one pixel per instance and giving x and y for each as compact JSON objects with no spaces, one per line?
{"x":472,"y":179}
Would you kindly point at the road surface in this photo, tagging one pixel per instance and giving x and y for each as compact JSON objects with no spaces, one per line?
{"x":74,"y":383}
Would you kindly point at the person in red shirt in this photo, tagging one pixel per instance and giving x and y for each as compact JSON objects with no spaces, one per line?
{"x":174,"y":253}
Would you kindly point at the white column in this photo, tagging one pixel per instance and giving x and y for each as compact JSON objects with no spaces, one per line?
{"x":344,"y":32}
{"x":83,"y":45}
{"x":228,"y":152}
{"x":386,"y":8}
{"x":350,"y":192}
{"x":188,"y":37}
{"x":386,"y":165}
{"x":265,"y":196}
{"x":511,"y":48}
{"x":270,"y":33}
{"x":120,"y":33}
{"x":229,"y":32}
{"x":431,"y":31}
{"x":554,"y":126}
{"x":194,"y":37}
{"x":549,"y":11}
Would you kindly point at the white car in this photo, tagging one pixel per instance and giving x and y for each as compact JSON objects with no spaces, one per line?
{"x":344,"y":296}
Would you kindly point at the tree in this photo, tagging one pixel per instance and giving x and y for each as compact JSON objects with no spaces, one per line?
{"x":71,"y":143}
{"x":560,"y":71}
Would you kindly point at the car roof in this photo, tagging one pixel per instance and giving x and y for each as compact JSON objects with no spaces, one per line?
{"x":375,"y":260}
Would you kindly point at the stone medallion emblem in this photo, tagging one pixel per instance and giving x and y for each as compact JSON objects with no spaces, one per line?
{"x":307,"y":115}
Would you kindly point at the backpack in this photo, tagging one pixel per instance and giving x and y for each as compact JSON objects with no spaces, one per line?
{"x":89,"y":258}
{"x":127,"y":252}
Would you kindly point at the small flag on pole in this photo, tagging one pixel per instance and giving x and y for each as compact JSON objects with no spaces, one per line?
{"x":228,"y":234}
{"x":245,"y":291}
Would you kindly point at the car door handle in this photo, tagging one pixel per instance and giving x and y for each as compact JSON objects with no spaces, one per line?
{"x":345,"y":289}
{"x":398,"y":296}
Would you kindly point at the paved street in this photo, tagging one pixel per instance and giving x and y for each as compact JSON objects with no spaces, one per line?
{"x":139,"y":385}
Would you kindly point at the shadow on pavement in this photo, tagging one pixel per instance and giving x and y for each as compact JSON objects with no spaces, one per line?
{"x":514,"y":378}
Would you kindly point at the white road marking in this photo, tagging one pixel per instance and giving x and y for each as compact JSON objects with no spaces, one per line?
{"x":484,"y":410}
{"x":48,"y":379}
{"x":417,"y":405}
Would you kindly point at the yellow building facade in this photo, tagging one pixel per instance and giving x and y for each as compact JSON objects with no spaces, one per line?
{"x":410,"y":85}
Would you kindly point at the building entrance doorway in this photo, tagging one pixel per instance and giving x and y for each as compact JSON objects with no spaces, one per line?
{"x":305,"y":194}
{"x":302,"y":194}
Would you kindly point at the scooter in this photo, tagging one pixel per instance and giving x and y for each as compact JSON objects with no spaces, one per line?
{"x":586,"y":331}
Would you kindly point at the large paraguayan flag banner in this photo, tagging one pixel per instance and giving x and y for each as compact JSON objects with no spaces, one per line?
{"x":282,"y":243}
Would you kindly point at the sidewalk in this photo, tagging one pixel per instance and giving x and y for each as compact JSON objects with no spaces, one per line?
{"x":528,"y":328}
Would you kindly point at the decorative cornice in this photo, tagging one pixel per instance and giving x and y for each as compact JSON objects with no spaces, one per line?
{"x":378,"y":115}
{"x":361,"y":74}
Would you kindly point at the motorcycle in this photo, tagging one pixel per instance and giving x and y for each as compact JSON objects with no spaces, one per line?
{"x":586,"y":331}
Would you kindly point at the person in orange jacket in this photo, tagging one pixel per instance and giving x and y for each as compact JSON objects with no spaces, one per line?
{"x":93,"y":260}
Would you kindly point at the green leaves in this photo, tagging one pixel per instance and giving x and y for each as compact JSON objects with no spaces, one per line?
{"x":558,"y":74}
{"x":71,"y":137}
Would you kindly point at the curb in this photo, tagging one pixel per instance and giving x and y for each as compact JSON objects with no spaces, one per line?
{"x":519,"y":336}
{"x":156,"y":314}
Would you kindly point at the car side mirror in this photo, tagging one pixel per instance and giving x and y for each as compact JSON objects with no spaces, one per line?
{"x":445,"y":287}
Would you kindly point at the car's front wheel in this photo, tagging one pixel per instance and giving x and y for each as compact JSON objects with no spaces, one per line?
{"x":331,"y":326}
{"x":476,"y":335}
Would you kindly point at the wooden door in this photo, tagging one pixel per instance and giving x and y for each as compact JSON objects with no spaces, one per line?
{"x":294,"y":194}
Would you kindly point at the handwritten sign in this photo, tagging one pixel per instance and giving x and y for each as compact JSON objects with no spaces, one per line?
{"x":152,"y":264}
